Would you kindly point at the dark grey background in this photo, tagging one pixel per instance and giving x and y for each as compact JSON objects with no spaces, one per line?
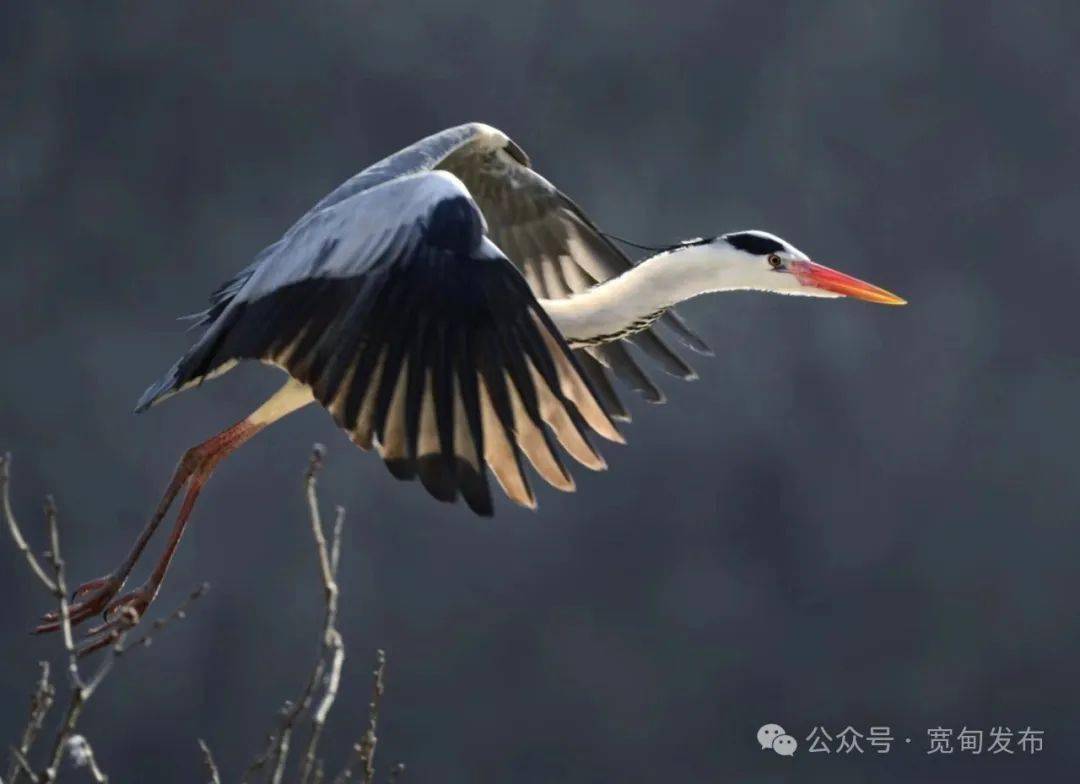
{"x":858,"y":515}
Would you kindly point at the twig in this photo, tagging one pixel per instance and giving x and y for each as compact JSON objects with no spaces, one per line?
{"x":332,"y":646}
{"x":81,"y":690}
{"x":291,"y":715}
{"x":260,"y":761}
{"x":95,"y":771}
{"x":211,"y":766}
{"x":40,"y":703}
{"x":13,"y":526}
{"x":23,"y":763}
{"x":335,"y":547}
{"x":78,"y":688}
{"x":318,"y":453}
{"x":370,"y":738}
{"x":179,"y":614}
{"x":59,"y":590}
{"x":82,"y":755}
{"x":364,"y":751}
{"x":318,"y":720}
{"x":331,"y":654}
{"x":329,"y":663}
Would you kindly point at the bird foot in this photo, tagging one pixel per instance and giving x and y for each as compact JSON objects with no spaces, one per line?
{"x":88,"y":599}
{"x":120,"y":615}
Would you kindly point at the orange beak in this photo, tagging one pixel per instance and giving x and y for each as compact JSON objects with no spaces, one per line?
{"x":810,"y":274}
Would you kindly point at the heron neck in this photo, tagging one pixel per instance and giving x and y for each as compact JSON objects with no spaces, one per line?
{"x":632,"y":301}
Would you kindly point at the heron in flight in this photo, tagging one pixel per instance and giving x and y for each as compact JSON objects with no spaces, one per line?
{"x":454,"y":311}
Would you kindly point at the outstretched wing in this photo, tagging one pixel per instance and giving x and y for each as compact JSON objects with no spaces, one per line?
{"x":561,"y":252}
{"x":416,"y":333}
{"x":555,"y":245}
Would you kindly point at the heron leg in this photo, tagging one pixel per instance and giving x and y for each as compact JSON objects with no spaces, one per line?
{"x":195,"y":467}
{"x":125,"y":610}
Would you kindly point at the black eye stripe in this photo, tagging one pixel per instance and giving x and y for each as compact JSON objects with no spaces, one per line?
{"x":753,"y":243}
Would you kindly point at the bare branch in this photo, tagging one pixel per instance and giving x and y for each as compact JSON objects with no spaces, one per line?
{"x":211,"y":766}
{"x":59,"y":590}
{"x":129,"y":618}
{"x":23,"y":763}
{"x":81,"y":690}
{"x":291,"y":715}
{"x":179,"y":614}
{"x":325,"y":675}
{"x":13,"y":525}
{"x":260,"y":761}
{"x":364,"y":751}
{"x":331,"y":655}
{"x":318,"y":721}
{"x":332,"y":646}
{"x":370,"y":739}
{"x":310,"y":481}
{"x":40,"y":703}
{"x":82,"y":756}
{"x":335,"y":546}
{"x":95,"y":771}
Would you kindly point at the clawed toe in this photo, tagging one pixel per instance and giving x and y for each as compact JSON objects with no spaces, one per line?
{"x":90,"y":598}
{"x":91,"y":586}
{"x":98,"y":597}
{"x":120,"y":615}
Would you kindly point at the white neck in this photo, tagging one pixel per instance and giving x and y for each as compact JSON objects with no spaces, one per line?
{"x":633,"y":300}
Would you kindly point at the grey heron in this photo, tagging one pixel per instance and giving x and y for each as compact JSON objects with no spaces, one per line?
{"x":453,"y":310}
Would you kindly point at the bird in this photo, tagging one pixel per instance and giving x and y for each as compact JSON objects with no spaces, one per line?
{"x":456,"y":313}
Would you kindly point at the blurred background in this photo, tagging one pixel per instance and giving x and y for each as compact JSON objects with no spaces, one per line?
{"x":858,"y":516}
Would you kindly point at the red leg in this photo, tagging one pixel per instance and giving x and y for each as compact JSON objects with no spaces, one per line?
{"x":98,"y":596}
{"x":139,"y":600}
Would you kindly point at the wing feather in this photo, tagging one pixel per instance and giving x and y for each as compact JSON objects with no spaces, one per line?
{"x":419,"y":337}
{"x":561,"y":252}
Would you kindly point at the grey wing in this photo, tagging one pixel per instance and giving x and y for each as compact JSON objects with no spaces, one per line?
{"x":421,"y":156}
{"x":418,"y":336}
{"x":561,"y":252}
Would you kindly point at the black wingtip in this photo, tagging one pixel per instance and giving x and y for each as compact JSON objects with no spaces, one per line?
{"x":437,"y":475}
{"x":402,"y":468}
{"x":474,"y":488}
{"x":481,"y":506}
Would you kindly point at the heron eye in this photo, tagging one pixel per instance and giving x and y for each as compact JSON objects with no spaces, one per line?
{"x":775,"y":261}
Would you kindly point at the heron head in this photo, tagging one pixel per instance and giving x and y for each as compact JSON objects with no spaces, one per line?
{"x":769,"y":263}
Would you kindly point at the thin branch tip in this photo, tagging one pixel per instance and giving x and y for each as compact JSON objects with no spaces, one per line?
{"x":208,"y":762}
{"x":15,"y":530}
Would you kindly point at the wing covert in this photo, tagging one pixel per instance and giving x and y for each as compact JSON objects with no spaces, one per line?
{"x":418,"y":336}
